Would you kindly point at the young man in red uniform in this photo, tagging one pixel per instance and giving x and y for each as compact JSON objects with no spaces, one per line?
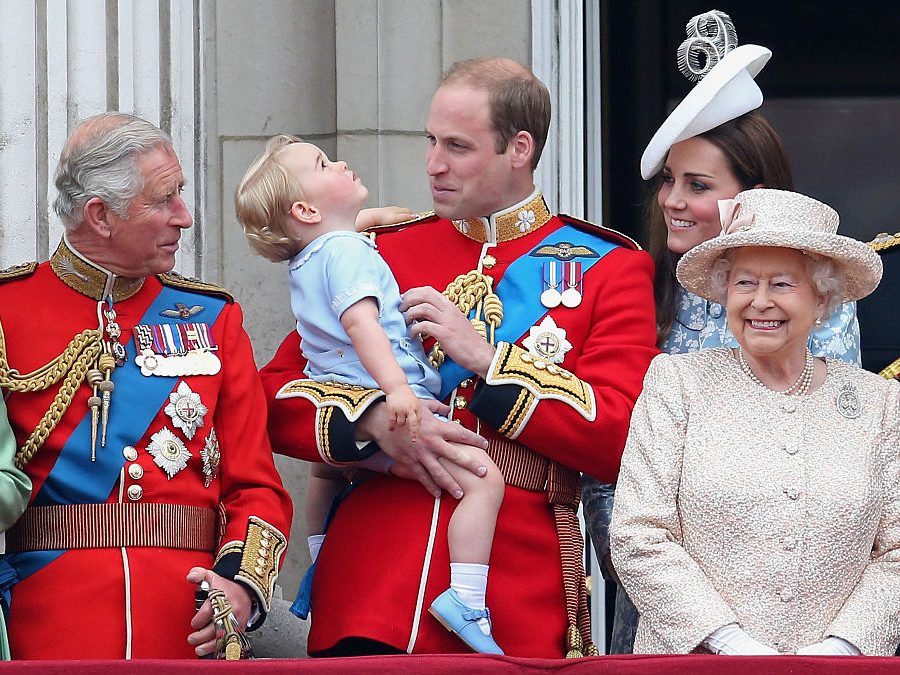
{"x":543,"y":335}
{"x":139,"y":417}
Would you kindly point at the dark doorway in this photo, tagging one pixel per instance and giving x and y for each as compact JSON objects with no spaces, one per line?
{"x":832,"y":91}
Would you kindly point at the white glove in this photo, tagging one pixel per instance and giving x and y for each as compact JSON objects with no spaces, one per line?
{"x":732,"y":640}
{"x":830,"y":646}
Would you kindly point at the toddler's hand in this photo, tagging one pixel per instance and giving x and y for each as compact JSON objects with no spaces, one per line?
{"x":403,"y":408}
{"x":382,"y":215}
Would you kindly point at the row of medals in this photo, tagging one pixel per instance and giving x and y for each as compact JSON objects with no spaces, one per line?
{"x":565,"y":275}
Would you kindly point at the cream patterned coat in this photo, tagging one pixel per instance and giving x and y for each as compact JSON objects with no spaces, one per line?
{"x":735,"y":503}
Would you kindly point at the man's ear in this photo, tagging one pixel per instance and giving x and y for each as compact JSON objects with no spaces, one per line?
{"x":522,"y":149}
{"x":96,"y":217}
{"x":305,"y":212}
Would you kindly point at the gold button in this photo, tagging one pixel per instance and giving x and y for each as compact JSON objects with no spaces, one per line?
{"x":465,"y":383}
{"x":130,"y":453}
{"x":136,"y":471}
{"x":488,"y":262}
{"x":460,"y":402}
{"x":135,"y":492}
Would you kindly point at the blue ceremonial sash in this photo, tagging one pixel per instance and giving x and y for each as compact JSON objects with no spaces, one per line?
{"x":520,"y":292}
{"x":136,"y":400}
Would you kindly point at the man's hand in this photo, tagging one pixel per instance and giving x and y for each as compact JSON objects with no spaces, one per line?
{"x":382,"y":215}
{"x":429,"y":313}
{"x":404,"y":409}
{"x":437,"y":439}
{"x":204,"y":636}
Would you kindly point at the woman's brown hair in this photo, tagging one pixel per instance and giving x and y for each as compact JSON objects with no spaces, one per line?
{"x":756,"y":156}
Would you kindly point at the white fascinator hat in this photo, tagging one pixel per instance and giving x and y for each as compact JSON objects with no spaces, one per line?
{"x":725,"y":86}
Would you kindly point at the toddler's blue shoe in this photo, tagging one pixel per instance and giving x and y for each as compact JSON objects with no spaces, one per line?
{"x":457,"y":618}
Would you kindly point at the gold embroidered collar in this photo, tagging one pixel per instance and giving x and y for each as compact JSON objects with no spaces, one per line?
{"x":80,"y":274}
{"x":511,"y":223}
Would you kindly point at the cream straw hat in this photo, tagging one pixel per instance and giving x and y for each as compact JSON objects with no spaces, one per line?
{"x":764,"y":217}
{"x":726,"y":89}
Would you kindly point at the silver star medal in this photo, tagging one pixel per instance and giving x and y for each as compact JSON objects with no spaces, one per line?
{"x":211,"y":457}
{"x":185,"y":409}
{"x":169,"y":452}
{"x":547,"y":341}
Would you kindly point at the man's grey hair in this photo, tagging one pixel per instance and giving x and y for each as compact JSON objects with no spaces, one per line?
{"x":100,"y":160}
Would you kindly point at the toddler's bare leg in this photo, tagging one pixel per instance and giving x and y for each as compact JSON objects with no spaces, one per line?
{"x":470,"y":533}
{"x":322,"y":486}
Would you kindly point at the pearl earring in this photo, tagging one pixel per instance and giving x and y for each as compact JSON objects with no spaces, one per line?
{"x":818,"y":321}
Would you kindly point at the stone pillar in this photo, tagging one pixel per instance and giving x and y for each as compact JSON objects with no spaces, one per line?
{"x":62,"y":61}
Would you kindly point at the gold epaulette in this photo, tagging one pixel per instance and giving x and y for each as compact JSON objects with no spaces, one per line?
{"x":18,"y":271}
{"x":417,"y":219}
{"x":891,"y":371}
{"x":176,"y":280}
{"x":884,"y":241}
{"x":603,"y":232}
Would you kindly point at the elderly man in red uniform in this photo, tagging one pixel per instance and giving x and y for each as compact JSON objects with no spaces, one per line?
{"x":140,"y":419}
{"x":542,"y":327}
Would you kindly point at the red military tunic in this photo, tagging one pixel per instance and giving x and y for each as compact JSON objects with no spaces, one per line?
{"x":385,"y":558}
{"x":130,"y":599}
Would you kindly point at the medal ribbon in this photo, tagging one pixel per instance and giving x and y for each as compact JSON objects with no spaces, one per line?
{"x":136,"y":401}
{"x":522,"y":306}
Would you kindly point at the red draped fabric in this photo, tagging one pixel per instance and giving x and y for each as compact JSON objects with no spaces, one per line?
{"x":471,"y":664}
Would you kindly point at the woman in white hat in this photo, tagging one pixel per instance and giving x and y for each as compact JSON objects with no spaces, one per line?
{"x":713,"y":145}
{"x":758,"y":504}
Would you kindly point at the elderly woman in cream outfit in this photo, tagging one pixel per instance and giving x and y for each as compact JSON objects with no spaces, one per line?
{"x":758,"y":505}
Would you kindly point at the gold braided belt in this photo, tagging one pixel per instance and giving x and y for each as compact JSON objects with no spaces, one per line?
{"x":66,"y":526}
{"x":520,"y":466}
{"x":71,"y":366}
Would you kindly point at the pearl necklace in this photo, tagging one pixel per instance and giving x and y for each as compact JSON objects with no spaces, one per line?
{"x":800,"y":387}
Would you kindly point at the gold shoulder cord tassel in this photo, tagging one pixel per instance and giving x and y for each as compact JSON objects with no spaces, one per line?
{"x":574,"y":642}
{"x":71,"y":366}
{"x":473,"y":290}
{"x":233,"y":644}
